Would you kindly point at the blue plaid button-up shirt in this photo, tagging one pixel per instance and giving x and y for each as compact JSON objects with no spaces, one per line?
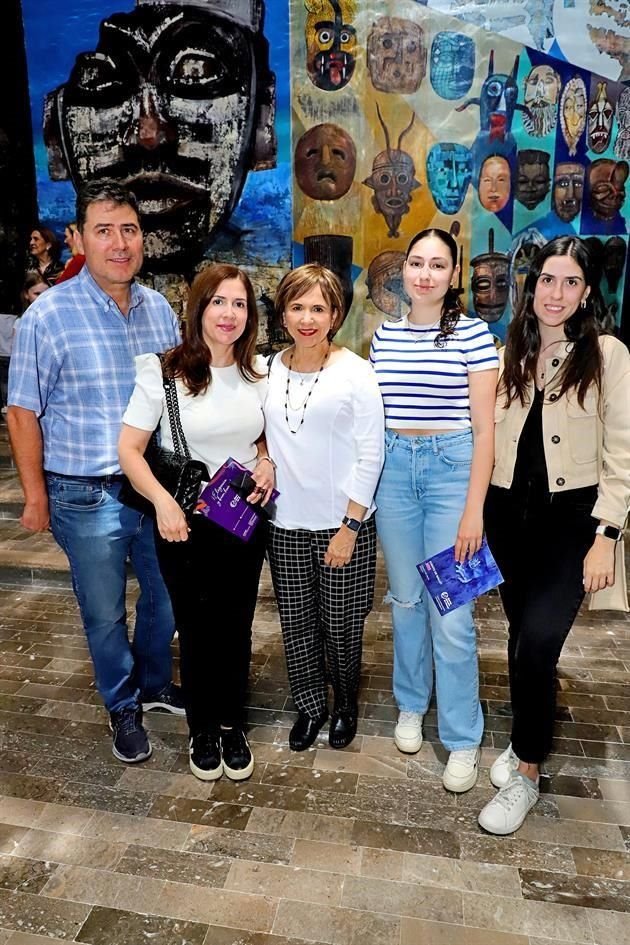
{"x":73,"y":365}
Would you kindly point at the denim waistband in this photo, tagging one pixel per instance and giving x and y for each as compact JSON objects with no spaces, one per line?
{"x":428,"y":441}
{"x":88,"y":480}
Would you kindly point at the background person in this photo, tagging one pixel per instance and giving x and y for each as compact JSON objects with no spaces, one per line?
{"x":212,"y":576}
{"x":324,"y":427}
{"x":77,"y":260}
{"x":45,"y":253}
{"x":559,"y":495}
{"x":70,"y":379}
{"x":437,"y":371}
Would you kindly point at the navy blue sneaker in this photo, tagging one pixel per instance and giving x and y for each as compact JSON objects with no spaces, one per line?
{"x":168,"y":699}
{"x":131,"y":742}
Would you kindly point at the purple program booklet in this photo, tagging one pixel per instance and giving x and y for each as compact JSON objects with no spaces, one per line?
{"x":451,"y":584}
{"x":221,"y":503}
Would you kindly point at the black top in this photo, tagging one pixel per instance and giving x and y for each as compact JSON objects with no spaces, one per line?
{"x":530,"y":470}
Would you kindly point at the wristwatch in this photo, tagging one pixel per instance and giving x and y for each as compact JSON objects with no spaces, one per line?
{"x":609,"y":531}
{"x":352,"y":523}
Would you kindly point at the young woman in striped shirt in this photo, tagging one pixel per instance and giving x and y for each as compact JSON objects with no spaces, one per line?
{"x":437,"y":371}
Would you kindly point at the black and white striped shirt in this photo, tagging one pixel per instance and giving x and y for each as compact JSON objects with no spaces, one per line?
{"x":424,"y":386}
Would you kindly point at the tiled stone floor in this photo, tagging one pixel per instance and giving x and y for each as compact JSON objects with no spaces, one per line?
{"x":358,"y":847}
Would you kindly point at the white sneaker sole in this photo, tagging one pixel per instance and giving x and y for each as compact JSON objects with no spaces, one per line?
{"x":204,"y":775}
{"x":162,"y":706}
{"x":239,"y":774}
{"x":133,"y":761}
{"x":408,"y":745}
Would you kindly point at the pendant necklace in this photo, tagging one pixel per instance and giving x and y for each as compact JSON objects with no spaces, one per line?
{"x":304,"y":403}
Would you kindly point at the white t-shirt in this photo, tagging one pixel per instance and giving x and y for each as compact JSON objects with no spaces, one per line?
{"x":337,"y":453}
{"x":224,"y":421}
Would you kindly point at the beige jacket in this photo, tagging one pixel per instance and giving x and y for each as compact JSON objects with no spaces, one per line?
{"x":583,"y":446}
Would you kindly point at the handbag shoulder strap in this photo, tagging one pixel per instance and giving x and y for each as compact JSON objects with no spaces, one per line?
{"x":172,"y":406}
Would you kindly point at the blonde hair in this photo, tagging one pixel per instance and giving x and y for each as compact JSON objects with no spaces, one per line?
{"x":310,"y":276}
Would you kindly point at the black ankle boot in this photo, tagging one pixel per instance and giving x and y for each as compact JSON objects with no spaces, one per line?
{"x":343,"y":728}
{"x":305,"y":731}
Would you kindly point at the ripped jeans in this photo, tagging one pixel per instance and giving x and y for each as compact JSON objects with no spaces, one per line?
{"x":420,"y":500}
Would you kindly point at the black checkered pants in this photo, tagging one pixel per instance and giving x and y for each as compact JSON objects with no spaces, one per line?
{"x":322,"y":613}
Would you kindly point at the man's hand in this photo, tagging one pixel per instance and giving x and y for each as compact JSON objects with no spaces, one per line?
{"x":35,"y":515}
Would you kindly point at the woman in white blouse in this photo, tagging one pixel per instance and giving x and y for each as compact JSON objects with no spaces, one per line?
{"x":324,"y":427}
{"x":211,"y":575}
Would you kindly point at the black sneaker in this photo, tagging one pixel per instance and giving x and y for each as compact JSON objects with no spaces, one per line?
{"x":131,"y":742}
{"x":205,"y":757}
{"x":238,"y":761}
{"x":169,"y":699}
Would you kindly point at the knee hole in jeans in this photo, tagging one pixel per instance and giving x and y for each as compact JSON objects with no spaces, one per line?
{"x":405,"y":604}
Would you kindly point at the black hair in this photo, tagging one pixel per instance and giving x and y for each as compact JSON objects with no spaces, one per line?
{"x":583,"y":365}
{"x":451,"y":307}
{"x":98,"y":191}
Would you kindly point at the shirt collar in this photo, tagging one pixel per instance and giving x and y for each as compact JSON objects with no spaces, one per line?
{"x":89,"y":284}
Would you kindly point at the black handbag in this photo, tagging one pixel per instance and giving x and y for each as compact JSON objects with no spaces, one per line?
{"x":174,"y":469}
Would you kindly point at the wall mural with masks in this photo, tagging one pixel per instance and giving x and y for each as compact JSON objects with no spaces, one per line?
{"x":404,"y":117}
{"x":184,"y":101}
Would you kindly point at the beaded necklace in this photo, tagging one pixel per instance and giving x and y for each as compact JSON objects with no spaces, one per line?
{"x":308,"y":396}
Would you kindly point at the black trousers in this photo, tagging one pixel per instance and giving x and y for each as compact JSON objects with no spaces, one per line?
{"x":213,"y":580}
{"x":539,"y":541}
{"x":322,"y":613}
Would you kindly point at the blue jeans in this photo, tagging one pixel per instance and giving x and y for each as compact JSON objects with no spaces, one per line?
{"x":420,"y":500}
{"x":98,"y":534}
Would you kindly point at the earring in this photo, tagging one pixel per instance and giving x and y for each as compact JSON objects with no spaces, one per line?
{"x":583,"y":303}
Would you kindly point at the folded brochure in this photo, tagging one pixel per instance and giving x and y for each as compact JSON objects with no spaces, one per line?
{"x":221,"y":503}
{"x":452,"y":584}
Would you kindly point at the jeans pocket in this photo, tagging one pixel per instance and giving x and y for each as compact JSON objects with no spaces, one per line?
{"x":77,"y":496}
{"x":457,"y":454}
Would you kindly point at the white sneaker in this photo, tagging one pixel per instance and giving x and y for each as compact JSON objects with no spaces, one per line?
{"x":506,"y":812}
{"x":461,"y":770}
{"x":408,"y":732}
{"x":503,"y":766}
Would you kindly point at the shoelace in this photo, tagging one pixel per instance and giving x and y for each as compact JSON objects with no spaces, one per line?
{"x":409,"y":718}
{"x":127,"y":722}
{"x":466,"y":755}
{"x":511,"y":793}
{"x":203,"y":744}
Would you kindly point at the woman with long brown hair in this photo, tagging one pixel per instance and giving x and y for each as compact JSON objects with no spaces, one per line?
{"x":211,"y":575}
{"x":558,"y":497}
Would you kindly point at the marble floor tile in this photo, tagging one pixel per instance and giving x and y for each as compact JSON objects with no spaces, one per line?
{"x":28,"y":913}
{"x":335,"y":926}
{"x":422,"y":932}
{"x":333,"y":857}
{"x":288,"y":882}
{"x":117,"y":927}
{"x":527,"y":918}
{"x":301,"y":825}
{"x":181,"y":867}
{"x":70,"y":849}
{"x":239,"y":844}
{"x":609,"y":928}
{"x":599,"y":893}
{"x":143,"y":831}
{"x":602,"y":863}
{"x":411,"y":899}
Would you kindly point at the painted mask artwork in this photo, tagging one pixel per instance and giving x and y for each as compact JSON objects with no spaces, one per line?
{"x":615,"y":251}
{"x":494,"y":183}
{"x":385,"y":283}
{"x":607,"y":187}
{"x":600,"y":119}
{"x":497,"y":104}
{"x":393,"y":179}
{"x":573,"y":113}
{"x":449,"y":172}
{"x":331,"y":43}
{"x":147,"y":107}
{"x":522,"y":253}
{"x":325,"y":162}
{"x":568,"y":190}
{"x":396,"y":55}
{"x":452,"y":64}
{"x":532,"y":180}
{"x":622,"y":141}
{"x":490,"y":282}
{"x":542,"y":89}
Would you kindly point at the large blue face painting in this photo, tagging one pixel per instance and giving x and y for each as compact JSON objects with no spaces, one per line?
{"x":176,"y":100}
{"x":449,"y":172}
{"x":452,"y":64}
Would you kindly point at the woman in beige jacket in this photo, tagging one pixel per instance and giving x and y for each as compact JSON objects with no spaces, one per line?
{"x":559,"y":495}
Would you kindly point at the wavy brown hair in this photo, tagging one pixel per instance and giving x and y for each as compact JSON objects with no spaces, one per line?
{"x":583,"y":365}
{"x":192,"y":360}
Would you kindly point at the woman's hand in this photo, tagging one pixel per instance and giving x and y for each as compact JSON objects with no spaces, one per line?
{"x":599,"y":564}
{"x":264,"y":475}
{"x":469,"y":535}
{"x":340,"y":548}
{"x":170,"y":519}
